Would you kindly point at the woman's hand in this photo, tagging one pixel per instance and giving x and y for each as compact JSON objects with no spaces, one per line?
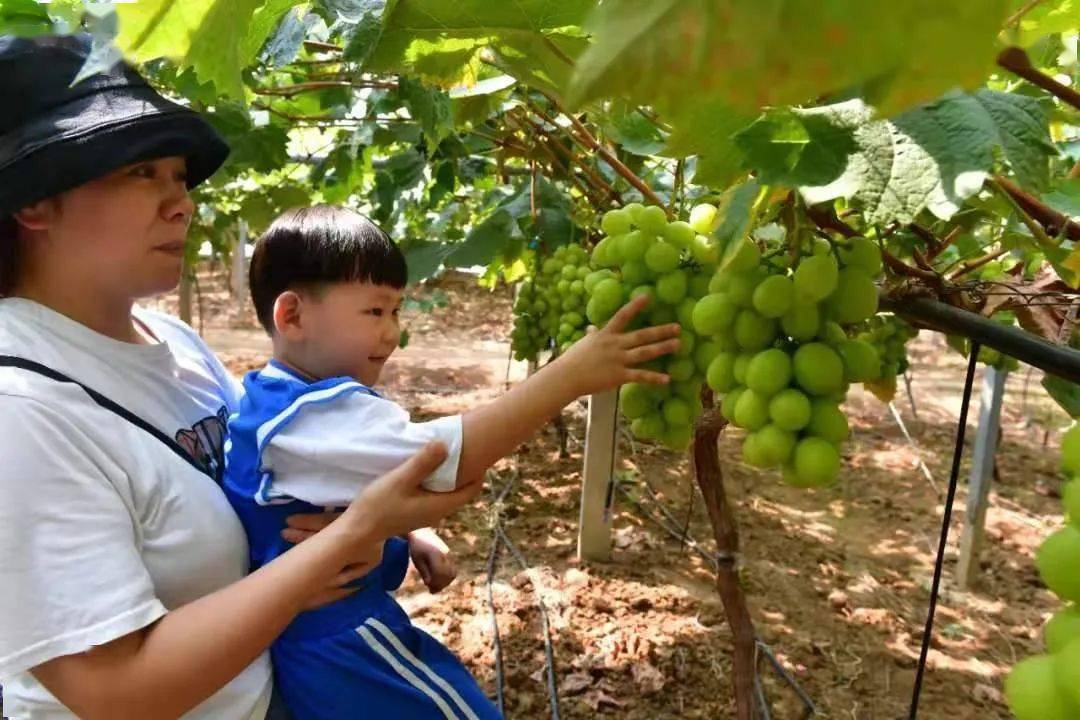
{"x":605,"y":359}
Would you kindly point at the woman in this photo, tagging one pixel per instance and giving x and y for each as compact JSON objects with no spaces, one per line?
{"x":122,"y":566}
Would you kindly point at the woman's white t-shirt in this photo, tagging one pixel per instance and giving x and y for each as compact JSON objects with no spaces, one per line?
{"x":103,"y":529}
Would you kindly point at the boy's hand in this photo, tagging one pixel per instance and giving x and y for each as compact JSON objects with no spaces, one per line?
{"x":605,"y":359}
{"x":432,"y":559}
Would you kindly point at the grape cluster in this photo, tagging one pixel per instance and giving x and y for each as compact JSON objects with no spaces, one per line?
{"x":548,"y":310}
{"x":889,"y":335}
{"x":672,"y":262}
{"x":785,"y":362}
{"x":1047,"y":686}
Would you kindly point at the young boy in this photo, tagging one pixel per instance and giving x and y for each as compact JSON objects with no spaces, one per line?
{"x":311,"y":432}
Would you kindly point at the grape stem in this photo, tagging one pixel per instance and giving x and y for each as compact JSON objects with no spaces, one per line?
{"x":976,"y":263}
{"x":1016,"y":61}
{"x":296,"y":89}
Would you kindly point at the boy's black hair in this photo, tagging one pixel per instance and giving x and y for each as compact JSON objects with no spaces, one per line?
{"x":308,"y":247}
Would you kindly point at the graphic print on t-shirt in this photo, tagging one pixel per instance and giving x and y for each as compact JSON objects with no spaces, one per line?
{"x":205,"y":443}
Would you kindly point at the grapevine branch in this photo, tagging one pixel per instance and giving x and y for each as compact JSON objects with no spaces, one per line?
{"x":563,"y":162}
{"x":975,"y":264}
{"x":1055,"y":223}
{"x":1016,"y":61}
{"x":586,"y":139}
{"x":291,"y":90}
{"x":711,"y":481}
{"x":316,"y":46}
{"x":569,"y":159}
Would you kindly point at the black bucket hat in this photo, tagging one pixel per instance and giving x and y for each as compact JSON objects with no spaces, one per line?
{"x":55,"y":136}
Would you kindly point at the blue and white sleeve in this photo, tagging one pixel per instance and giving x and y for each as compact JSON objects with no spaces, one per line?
{"x":330,"y":450}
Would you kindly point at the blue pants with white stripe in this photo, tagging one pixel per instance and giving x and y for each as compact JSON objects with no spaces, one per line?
{"x":363,"y":658}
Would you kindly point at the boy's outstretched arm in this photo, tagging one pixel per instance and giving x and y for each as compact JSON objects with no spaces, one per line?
{"x":602,"y":360}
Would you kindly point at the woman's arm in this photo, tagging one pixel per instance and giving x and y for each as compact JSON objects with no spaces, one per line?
{"x":181,"y":660}
{"x":603,"y":359}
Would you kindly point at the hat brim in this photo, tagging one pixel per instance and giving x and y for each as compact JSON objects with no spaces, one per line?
{"x":68,"y":149}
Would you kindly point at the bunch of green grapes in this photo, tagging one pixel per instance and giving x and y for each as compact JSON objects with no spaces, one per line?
{"x":671,"y":262}
{"x":1047,"y":686}
{"x":549,"y":310}
{"x":784,"y":361}
{"x":889,"y":334}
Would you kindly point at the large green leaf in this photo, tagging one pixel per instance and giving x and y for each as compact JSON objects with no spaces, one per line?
{"x":430,"y":107}
{"x":24,"y":17}
{"x":441,"y":40}
{"x":752,"y":53}
{"x":484,"y":241}
{"x":209,"y":35}
{"x":932,"y":157}
{"x":1045,"y":18}
{"x":707,"y":129}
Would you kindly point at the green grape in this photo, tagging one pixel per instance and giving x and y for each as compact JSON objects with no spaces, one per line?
{"x":777,"y":443}
{"x":863,"y":254}
{"x":661,"y":314}
{"x":827,"y":421}
{"x":1058,"y":559}
{"x":769,"y":372}
{"x":861,"y":361}
{"x":801,"y":322}
{"x":702,"y":218}
{"x":790,"y":410}
{"x":704,"y":353}
{"x":742,"y":362}
{"x":705,"y":250}
{"x":832,"y":334}
{"x":635,"y":400}
{"x":633,"y":245}
{"x":634,"y":210}
{"x":727,"y":405}
{"x":661,"y":258}
{"x":687,"y":341}
{"x":754,"y":451}
{"x":648,"y":427}
{"x":816,"y":277}
{"x":652,"y":220}
{"x":855,"y":298}
{"x":1062,"y":629}
{"x":676,"y":411}
{"x":754,"y":332}
{"x":1033,"y":692}
{"x":634,"y":273}
{"x":816,"y":462}
{"x":742,"y":256}
{"x":678,"y":437}
{"x":608,"y":293}
{"x":1070,"y":451}
{"x":773,"y":296}
{"x":699,"y":285}
{"x":1070,"y":500}
{"x":685,"y":312}
{"x":751,"y":410}
{"x":679,"y":233}
{"x":643,"y":290}
{"x":671,"y":288}
{"x":713,"y":314}
{"x":680,"y":368}
{"x":818,"y":369}
{"x":721,"y":372}
{"x":688,"y":389}
{"x":740,"y":288}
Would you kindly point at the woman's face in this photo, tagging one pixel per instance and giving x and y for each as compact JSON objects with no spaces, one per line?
{"x":129,"y":226}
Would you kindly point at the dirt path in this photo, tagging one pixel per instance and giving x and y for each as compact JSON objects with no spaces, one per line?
{"x":837,"y":578}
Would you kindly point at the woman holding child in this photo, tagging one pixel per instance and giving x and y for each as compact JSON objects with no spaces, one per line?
{"x":130,"y":587}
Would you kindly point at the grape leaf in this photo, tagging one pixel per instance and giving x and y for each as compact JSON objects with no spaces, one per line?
{"x":1046,"y":18}
{"x":1065,"y":198}
{"x":24,"y":17}
{"x":209,"y":35}
{"x":484,"y":241}
{"x":441,"y":40}
{"x":424,"y":260}
{"x":634,"y":132}
{"x":780,"y":52}
{"x":259,"y":148}
{"x":263,"y":22}
{"x":284,"y":46}
{"x":428,"y":106}
{"x":931,"y":157}
{"x":707,"y":129}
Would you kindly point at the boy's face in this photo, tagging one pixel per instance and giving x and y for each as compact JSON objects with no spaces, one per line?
{"x":351,"y":328}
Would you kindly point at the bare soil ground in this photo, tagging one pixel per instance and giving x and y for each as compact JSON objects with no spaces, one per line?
{"x":837,"y":579}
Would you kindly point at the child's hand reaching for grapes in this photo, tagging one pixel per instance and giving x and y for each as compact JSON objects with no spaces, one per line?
{"x":605,"y":359}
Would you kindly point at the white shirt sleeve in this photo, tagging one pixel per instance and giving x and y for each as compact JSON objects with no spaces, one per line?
{"x":331,"y":450}
{"x":70,"y":567}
